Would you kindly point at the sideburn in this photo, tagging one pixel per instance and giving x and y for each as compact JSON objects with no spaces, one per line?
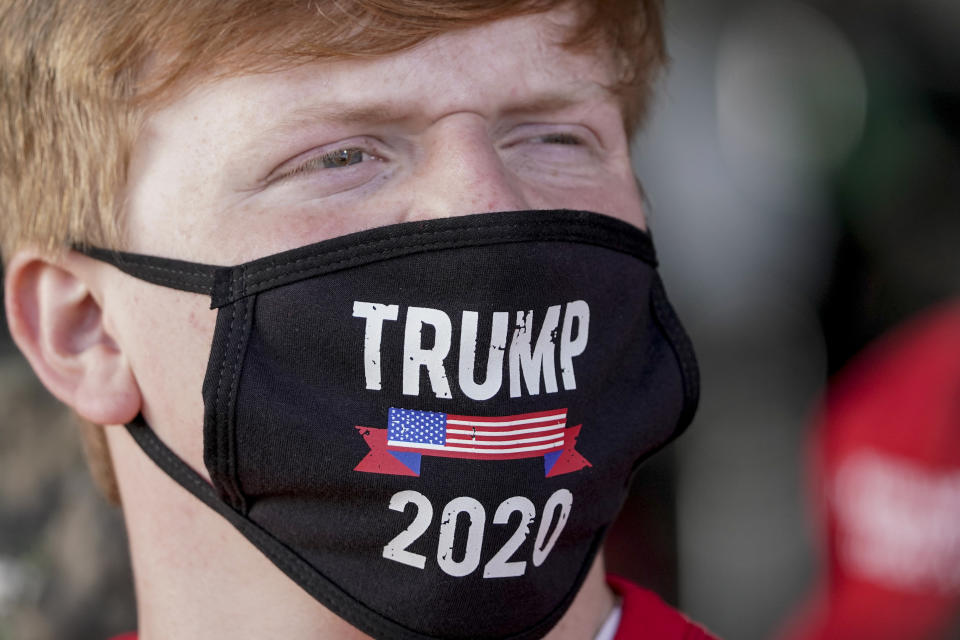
{"x":99,"y":462}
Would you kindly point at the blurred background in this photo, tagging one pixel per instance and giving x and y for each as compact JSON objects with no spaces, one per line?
{"x":802,"y":164}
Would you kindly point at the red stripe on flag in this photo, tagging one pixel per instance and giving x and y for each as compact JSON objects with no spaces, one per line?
{"x":556,"y":413}
{"x":546,"y":435}
{"x":442,"y":453}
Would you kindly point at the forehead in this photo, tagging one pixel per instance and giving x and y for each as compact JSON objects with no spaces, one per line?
{"x":518,"y":62}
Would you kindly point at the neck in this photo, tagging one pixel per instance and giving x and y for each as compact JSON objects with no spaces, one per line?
{"x":590,"y":608}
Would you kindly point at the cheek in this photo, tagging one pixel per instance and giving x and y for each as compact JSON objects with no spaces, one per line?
{"x":288,"y":227}
{"x":166,"y":336}
{"x":617,"y":197}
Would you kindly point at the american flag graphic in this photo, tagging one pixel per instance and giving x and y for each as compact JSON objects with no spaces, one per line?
{"x":412,"y":435}
{"x":430,"y":433}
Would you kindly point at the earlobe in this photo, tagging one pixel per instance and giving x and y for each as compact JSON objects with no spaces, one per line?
{"x":57,"y":322}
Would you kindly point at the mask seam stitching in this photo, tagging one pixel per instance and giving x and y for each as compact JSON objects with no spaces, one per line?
{"x":241,"y":339}
{"x":222,"y":450}
{"x":257,"y":283}
{"x":680,"y":343}
{"x":579,"y":229}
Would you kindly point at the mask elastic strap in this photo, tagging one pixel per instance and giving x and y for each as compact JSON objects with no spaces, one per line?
{"x":176,"y":274}
{"x":177,"y":469}
{"x":280,"y":555}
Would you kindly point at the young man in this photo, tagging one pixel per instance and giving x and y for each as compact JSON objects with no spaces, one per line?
{"x":412,"y":408}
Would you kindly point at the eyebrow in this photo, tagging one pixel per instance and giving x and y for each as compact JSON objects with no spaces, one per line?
{"x":338,"y":113}
{"x":390,"y":112}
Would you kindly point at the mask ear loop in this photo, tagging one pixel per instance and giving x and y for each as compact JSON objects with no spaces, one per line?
{"x":279,"y":554}
{"x":176,"y":468}
{"x":176,"y":274}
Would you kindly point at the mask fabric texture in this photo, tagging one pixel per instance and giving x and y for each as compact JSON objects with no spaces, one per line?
{"x":430,"y":425}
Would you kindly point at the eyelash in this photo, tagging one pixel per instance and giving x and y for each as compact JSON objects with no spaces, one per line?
{"x":562,"y":138}
{"x":331,"y":160}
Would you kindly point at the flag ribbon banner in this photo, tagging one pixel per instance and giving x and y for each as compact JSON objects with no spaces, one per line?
{"x":411,"y":434}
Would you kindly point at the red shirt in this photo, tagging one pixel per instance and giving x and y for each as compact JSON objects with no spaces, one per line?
{"x":646,"y":617}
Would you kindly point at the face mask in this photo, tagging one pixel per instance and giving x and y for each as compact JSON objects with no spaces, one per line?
{"x":430,"y":425}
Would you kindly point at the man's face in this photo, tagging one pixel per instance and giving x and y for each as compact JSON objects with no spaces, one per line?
{"x":488,"y":119}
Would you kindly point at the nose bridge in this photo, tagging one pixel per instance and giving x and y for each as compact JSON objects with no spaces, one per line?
{"x":461,"y":172}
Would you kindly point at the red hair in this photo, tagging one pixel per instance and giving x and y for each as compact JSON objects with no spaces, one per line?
{"x":78,"y":76}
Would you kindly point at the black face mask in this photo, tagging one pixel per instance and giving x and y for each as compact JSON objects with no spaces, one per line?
{"x":429,"y":426}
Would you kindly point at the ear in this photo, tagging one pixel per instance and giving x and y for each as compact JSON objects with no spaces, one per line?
{"x":57,"y":322}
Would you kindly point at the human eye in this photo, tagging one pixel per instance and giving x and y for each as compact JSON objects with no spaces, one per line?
{"x":553,"y":150}
{"x":344,"y":165}
{"x":567,"y":138}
